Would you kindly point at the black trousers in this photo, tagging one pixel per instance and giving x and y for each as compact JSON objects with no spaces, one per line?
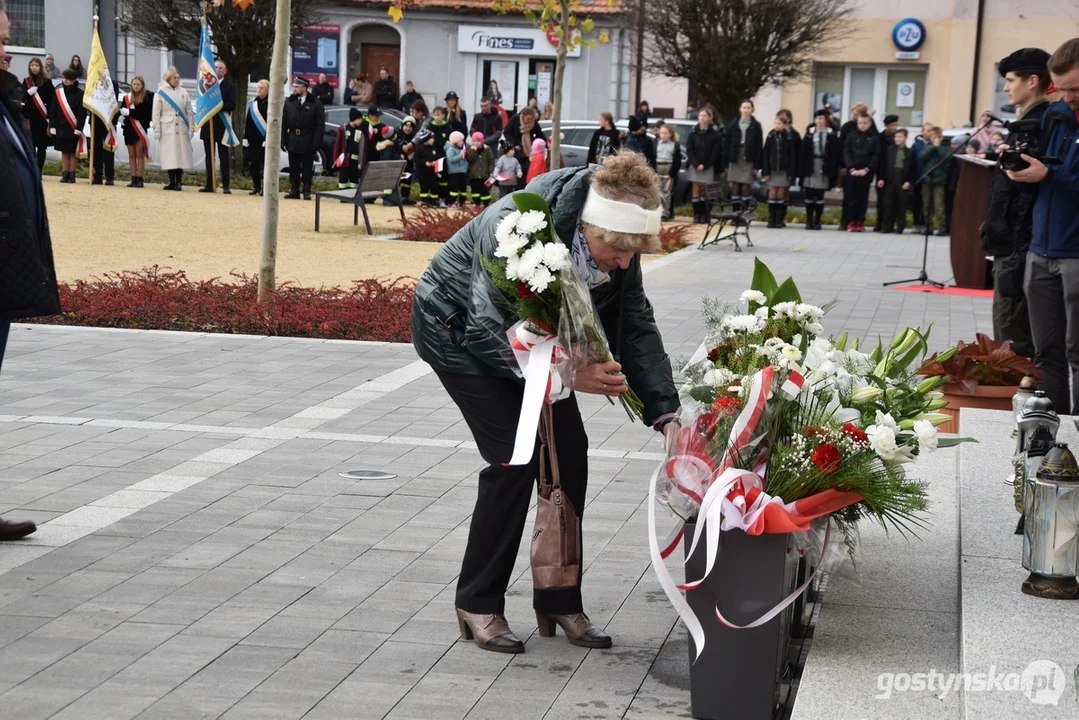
{"x":458,"y":183}
{"x":491,"y":407}
{"x":222,"y":162}
{"x":856,"y":197}
{"x":40,"y":140}
{"x":301,"y":169}
{"x":481,"y":192}
{"x":892,"y":207}
{"x":255,"y":167}
{"x":103,"y":159}
{"x":428,"y":180}
{"x":5,"y":326}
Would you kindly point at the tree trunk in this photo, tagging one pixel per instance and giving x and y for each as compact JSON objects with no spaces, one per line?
{"x":239,"y":118}
{"x":555,"y":160}
{"x":271,"y":170}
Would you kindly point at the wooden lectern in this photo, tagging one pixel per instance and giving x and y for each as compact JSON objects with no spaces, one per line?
{"x":969,"y":264}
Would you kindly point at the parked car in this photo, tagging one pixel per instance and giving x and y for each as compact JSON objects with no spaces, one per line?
{"x":337,"y":115}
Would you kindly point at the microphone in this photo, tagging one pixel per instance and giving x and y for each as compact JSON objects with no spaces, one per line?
{"x":995,"y":119}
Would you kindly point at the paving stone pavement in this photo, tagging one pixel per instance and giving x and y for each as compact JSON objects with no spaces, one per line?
{"x":200,"y":556}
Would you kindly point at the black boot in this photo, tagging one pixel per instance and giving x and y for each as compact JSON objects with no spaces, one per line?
{"x":781,"y":215}
{"x":179,"y":182}
{"x":772,"y":222}
{"x":307,"y":191}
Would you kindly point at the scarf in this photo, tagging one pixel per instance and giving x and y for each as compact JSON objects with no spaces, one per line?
{"x":743,"y":125}
{"x":586,"y":266}
{"x":819,"y":136}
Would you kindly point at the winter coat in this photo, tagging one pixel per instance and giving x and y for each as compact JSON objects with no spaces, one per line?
{"x":27,"y":275}
{"x":933,"y":157}
{"x":256,"y":141}
{"x":172,"y":132}
{"x":886,"y":171}
{"x":832,"y":153}
{"x":143,"y":113}
{"x":1056,"y":213}
{"x":676,"y":159}
{"x":456,"y":160}
{"x":512,"y":137}
{"x":441,"y":132}
{"x":643,"y":144}
{"x":861,"y":151}
{"x":408,"y":99}
{"x":386,"y":92}
{"x":490,"y":125}
{"x":228,"y":105}
{"x":508,"y":167}
{"x":704,"y":146}
{"x":459,"y":125}
{"x":39,"y":126}
{"x":323,"y":92}
{"x":781,"y":153}
{"x":58,"y":120}
{"x":481,"y":163}
{"x":754,"y":143}
{"x":372,"y":133}
{"x":304,"y":125}
{"x":604,"y":143}
{"x":537,"y":165}
{"x":1009,"y":225}
{"x":849,"y":128}
{"x":453,"y":331}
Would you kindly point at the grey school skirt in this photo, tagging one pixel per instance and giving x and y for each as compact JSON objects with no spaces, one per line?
{"x":740,"y":171}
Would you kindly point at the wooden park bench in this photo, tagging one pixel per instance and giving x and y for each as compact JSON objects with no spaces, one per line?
{"x":380,"y":179}
{"x":723,"y":215}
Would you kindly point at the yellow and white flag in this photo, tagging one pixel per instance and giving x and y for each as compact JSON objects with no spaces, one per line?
{"x":100,"y":95}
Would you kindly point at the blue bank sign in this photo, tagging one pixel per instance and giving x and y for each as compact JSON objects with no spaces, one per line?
{"x":908,"y":35}
{"x":506,"y":41}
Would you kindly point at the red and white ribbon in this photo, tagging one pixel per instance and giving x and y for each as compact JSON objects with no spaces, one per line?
{"x":140,"y":131}
{"x":38,"y":102}
{"x":69,"y":115}
{"x":535,"y":354}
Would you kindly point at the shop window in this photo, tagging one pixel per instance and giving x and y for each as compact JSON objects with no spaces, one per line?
{"x":906,"y":96}
{"x":828,"y":84}
{"x":27,"y":18}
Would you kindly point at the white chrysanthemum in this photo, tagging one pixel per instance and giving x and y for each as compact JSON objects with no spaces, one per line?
{"x":753,"y":296}
{"x":808,"y":313}
{"x":506,"y":226}
{"x":530,"y":262}
{"x":513,"y":266}
{"x":886,"y":420}
{"x":784,"y":309}
{"x":814,"y":328}
{"x":531,"y":222}
{"x":761,"y":312}
{"x":788,"y":356}
{"x":882,"y":440}
{"x":773,"y":343}
{"x":511,"y":246}
{"x":540,"y":279}
{"x":927,"y":434}
{"x":555,"y":256}
{"x":744,"y":323}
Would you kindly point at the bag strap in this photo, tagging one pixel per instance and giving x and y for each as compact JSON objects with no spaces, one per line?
{"x":548,"y":454}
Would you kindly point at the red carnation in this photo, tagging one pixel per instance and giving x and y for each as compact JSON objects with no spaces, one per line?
{"x":855,"y":433}
{"x":827,"y":458}
{"x":524,"y":292}
{"x":713,"y":354}
{"x":727,"y":405}
{"x":813,"y":431}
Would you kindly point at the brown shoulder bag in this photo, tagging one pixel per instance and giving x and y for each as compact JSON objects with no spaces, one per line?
{"x":556,"y":538}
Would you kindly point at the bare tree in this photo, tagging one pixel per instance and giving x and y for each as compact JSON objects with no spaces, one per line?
{"x":244,"y":38}
{"x":731,"y":49}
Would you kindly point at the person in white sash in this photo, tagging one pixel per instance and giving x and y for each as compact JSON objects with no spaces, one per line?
{"x":174,"y":124}
{"x":605,"y":215}
{"x":224,"y":136}
{"x":255,"y":134}
{"x":66,"y":120}
{"x":40,"y":95}
{"x":137,"y":111}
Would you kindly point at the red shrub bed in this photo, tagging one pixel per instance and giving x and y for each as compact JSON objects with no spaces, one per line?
{"x":430,"y":225}
{"x":162,"y":299}
{"x":674,"y":237}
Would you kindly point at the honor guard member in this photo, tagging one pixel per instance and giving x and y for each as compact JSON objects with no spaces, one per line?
{"x":255,"y":134}
{"x":223,"y":134}
{"x":304,"y":124}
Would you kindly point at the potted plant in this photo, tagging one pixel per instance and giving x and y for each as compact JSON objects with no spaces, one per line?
{"x":983,"y":374}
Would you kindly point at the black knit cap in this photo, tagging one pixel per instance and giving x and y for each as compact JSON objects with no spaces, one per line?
{"x":821,"y":113}
{"x":1029,"y":60}
{"x":635,"y":124}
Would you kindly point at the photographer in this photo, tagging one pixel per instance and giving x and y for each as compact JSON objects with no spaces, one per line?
{"x":1052,"y":273}
{"x":1008,"y":226}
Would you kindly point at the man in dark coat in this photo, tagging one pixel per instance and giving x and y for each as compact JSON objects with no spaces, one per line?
{"x":304,"y":125}
{"x":1009,"y":225}
{"x":323,"y":91}
{"x":487,"y":121}
{"x":385,"y":89}
{"x":861,"y":158}
{"x":27,"y":277}
{"x":409,"y":97}
{"x":228,"y":105}
{"x":638,"y":141}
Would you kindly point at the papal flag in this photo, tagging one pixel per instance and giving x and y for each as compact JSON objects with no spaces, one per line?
{"x":208,"y":101}
{"x":100,"y":95}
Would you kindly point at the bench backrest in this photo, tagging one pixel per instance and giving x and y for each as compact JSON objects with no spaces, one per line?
{"x":381,"y":175}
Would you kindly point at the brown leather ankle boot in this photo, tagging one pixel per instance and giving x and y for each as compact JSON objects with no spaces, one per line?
{"x":578,"y":628}
{"x":490,"y":632}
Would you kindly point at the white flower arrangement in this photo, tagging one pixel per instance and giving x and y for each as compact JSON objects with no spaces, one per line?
{"x":528,"y":260}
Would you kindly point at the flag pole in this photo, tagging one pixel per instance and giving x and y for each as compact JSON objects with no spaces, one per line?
{"x":213,"y":164}
{"x":93,"y":129}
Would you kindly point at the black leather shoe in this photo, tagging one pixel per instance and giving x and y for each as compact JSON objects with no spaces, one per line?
{"x":110,"y":182}
{"x":206,"y":189}
{"x":253,"y":192}
{"x":292,"y":196}
{"x":15,"y":530}
{"x":307,"y":196}
{"x":226,"y":191}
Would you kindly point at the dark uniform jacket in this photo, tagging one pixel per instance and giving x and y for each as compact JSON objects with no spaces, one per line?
{"x":886,"y":171}
{"x":57,"y":118}
{"x":754,"y":142}
{"x":452,"y":331}
{"x":781,"y":153}
{"x":304,"y":125}
{"x":144,"y":113}
{"x":256,"y":141}
{"x":832,"y":153}
{"x":705,"y":147}
{"x":228,"y":105}
{"x":27,"y":276}
{"x":861,"y":151}
{"x":372,"y":136}
{"x":39,"y":126}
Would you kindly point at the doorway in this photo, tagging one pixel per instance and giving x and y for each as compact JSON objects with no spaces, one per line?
{"x":377,"y":56}
{"x":370,"y":46}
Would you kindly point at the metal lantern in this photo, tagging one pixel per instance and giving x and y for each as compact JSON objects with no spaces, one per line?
{"x":1038,"y":425}
{"x":1025,"y":391}
{"x":1050,"y":542}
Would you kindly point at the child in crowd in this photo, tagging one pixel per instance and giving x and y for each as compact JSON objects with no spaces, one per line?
{"x":457,"y":169}
{"x":705,"y":154}
{"x":935,"y":184}
{"x":405,"y":140}
{"x":389,"y":149}
{"x":604,"y":140}
{"x":895,"y":178}
{"x":372,"y":131}
{"x":537,"y":164}
{"x":440,"y":126}
{"x":820,"y":166}
{"x":66,"y":119}
{"x":780,"y":166}
{"x":637,"y":140}
{"x":481,"y":165}
{"x":861,"y":156}
{"x":347,"y":150}
{"x":744,"y":148}
{"x":668,"y":163}
{"x":507,"y":171}
{"x":428,"y":159}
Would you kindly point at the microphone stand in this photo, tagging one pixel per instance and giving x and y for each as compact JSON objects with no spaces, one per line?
{"x":923,"y":277}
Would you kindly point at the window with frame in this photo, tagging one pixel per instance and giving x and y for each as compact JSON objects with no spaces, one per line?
{"x":27,"y":18}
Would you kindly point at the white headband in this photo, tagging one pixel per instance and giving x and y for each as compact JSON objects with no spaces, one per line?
{"x":619,"y":216}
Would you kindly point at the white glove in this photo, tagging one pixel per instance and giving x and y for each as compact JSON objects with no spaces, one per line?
{"x":245,"y":142}
{"x":125,"y":112}
{"x":52,"y":131}
{"x":32,"y":91}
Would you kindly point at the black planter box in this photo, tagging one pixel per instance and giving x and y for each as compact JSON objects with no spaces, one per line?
{"x":740,"y":672}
